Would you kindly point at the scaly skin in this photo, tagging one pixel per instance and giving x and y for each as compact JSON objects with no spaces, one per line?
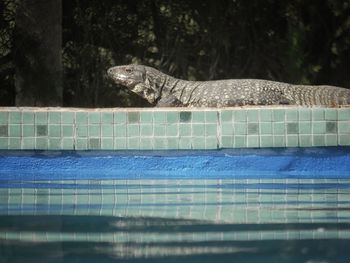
{"x":163,"y":90}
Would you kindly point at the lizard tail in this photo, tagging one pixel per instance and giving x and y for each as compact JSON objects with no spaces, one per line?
{"x":320,"y":95}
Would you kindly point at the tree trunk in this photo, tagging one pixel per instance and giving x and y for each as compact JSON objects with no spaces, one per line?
{"x":38,"y":63}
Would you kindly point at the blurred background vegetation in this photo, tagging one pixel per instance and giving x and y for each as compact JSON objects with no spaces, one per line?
{"x":56,"y":52}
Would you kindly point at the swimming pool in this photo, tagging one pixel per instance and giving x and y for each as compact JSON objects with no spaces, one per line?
{"x":245,"y":205}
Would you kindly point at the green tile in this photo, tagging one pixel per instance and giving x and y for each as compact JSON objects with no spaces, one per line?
{"x":240,"y":115}
{"x":344,"y":114}
{"x":344,"y":139}
{"x":81,"y":118}
{"x":227,"y":141}
{"x":172,"y":117}
{"x":81,"y":144}
{"x":198,"y":143}
{"x":172,"y":143}
{"x":331,"y":140}
{"x":14,"y":143}
{"x":211,"y":116}
{"x":185,"y":129}
{"x":278,"y":128}
{"x":318,"y":127}
{"x":317,"y":114}
{"x":172,"y":129}
{"x":291,"y":115}
{"x":227,"y":129}
{"x":240,"y":128}
{"x":133,"y":117}
{"x":4,"y":130}
{"x":54,"y":118}
{"x":198,"y":116}
{"x":146,"y":116}
{"x":94,"y":143}
{"x":304,"y":114}
{"x":67,"y":117}
{"x":41,"y":144}
{"x":305,"y":140}
{"x":67,"y":130}
{"x":279,"y":141}
{"x":211,"y":143}
{"x":185,"y":143}
{"x":82,"y":131}
{"x":198,"y":129}
{"x":146,"y":143}
{"x":27,"y":117}
{"x":253,"y":115}
{"x":160,"y":143}
{"x":15,"y":117}
{"x":4,"y":118}
{"x":266,"y":128}
{"x":120,"y":117}
{"x":94,"y":117}
{"x":159,"y":130}
{"x":265,"y":115}
{"x":15,"y":130}
{"x":28,"y":143}
{"x":331,"y":114}
{"x":120,"y":143}
{"x":318,"y":140}
{"x":253,"y":128}
{"x":94,"y":130}
{"x":159,"y":117}
{"x":292,"y":141}
{"x":120,"y":130}
{"x":278,"y":115}
{"x":226,"y":116}
{"x":305,"y":127}
{"x":40,"y":117}
{"x":344,"y":127}
{"x":210,"y":129}
{"x":54,"y":143}
{"x":107,"y":118}
{"x":331,"y":127}
{"x":68,"y":143}
{"x":133,"y":130}
{"x":107,"y":144}
{"x":253,"y":141}
{"x":266,"y":141}
{"x":3,"y":143}
{"x":41,"y":130}
{"x":292,"y":128}
{"x":185,"y":116}
{"x":107,"y":130}
{"x":146,"y":130}
{"x":28,"y":130}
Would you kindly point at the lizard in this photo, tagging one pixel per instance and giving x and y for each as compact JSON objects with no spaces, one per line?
{"x":162,"y":90}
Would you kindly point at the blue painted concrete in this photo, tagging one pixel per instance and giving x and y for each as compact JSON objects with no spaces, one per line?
{"x":313,"y":163}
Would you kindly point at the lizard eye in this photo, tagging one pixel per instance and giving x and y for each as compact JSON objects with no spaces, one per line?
{"x":128,"y":70}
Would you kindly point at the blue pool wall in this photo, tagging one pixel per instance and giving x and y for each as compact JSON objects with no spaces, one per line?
{"x":23,"y":128}
{"x":293,"y":163}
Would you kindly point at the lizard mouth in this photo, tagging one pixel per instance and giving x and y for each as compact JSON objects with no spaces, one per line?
{"x":118,"y":78}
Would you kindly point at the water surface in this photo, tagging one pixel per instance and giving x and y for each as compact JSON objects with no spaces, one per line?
{"x":177,"y":220}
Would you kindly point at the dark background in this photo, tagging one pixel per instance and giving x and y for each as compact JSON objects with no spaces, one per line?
{"x":56,"y":52}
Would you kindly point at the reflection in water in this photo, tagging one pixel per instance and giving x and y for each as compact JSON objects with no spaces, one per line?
{"x":177,"y":220}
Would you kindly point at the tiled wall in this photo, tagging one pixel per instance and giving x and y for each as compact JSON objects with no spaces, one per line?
{"x":178,"y":128}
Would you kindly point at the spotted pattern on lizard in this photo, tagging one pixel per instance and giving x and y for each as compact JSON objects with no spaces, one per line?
{"x":162,"y":90}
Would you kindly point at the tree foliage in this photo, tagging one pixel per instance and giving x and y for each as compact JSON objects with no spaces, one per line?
{"x":303,"y":42}
{"x":7,"y":90}
{"x":37,"y":57}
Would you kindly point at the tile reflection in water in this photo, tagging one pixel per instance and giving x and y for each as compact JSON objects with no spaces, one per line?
{"x":139,"y":219}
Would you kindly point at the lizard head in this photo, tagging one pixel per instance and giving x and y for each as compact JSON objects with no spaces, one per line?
{"x":134,"y":77}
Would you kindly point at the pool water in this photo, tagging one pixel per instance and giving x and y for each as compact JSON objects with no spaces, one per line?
{"x":177,"y":218}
